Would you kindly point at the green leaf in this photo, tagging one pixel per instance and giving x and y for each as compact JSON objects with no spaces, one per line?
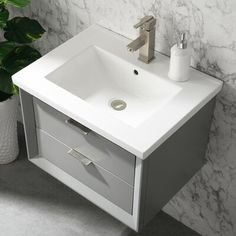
{"x":5,"y":48}
{"x":4,"y":96}
{"x":19,"y":58}
{"x":6,"y":84}
{"x":16,"y":3}
{"x":4,"y":15}
{"x":23,"y":30}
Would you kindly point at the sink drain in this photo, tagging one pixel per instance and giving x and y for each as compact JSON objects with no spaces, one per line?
{"x":118,"y":104}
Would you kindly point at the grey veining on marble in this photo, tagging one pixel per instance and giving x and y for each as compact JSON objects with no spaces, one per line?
{"x":207,"y":203}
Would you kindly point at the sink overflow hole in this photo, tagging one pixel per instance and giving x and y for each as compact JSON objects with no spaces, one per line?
{"x":135,"y":72}
{"x":118,"y":104}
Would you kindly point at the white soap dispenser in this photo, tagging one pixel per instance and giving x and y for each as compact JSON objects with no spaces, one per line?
{"x":180,"y":61}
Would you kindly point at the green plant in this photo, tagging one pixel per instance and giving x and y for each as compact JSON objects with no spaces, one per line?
{"x":15,"y":52}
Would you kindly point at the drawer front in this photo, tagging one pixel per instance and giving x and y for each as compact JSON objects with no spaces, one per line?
{"x":96,"y":178}
{"x":103,"y":152}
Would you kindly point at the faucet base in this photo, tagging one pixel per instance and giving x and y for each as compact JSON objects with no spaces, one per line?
{"x":145,"y":59}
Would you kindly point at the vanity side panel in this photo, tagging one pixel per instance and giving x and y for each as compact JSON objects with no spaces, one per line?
{"x":176,"y":161}
{"x":142,"y":198}
{"x":27,"y":108}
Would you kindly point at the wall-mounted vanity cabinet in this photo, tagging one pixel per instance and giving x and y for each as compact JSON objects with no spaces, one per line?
{"x":129,"y":188}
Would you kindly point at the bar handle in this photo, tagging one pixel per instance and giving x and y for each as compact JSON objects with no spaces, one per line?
{"x":79,"y":156}
{"x":82,"y":129}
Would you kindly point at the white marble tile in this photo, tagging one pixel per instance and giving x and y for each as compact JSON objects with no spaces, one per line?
{"x":207,"y":203}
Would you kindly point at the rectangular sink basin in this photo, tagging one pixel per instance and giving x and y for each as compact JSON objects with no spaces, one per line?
{"x":114,"y":86}
{"x":93,"y":79}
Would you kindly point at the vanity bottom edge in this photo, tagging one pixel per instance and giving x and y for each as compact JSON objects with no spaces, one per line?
{"x":84,"y":191}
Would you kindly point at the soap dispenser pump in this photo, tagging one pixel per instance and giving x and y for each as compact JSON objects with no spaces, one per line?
{"x":180,"y":61}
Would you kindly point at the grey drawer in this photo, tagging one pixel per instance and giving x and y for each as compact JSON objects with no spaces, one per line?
{"x":103,"y":152}
{"x":96,"y":178}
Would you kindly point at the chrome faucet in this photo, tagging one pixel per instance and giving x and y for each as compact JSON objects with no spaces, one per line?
{"x":146,"y":40}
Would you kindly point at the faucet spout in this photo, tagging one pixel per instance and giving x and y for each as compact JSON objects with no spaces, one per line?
{"x":136,"y":44}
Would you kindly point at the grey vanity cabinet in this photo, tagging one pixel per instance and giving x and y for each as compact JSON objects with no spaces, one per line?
{"x":129,"y":188}
{"x":111,"y":172}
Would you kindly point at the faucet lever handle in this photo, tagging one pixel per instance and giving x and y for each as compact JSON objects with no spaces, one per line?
{"x":147,"y":23}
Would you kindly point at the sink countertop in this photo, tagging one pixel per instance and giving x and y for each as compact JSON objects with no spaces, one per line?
{"x":142,"y":139}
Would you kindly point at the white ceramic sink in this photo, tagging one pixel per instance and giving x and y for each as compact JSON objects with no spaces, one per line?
{"x":83,"y":76}
{"x":99,"y":78}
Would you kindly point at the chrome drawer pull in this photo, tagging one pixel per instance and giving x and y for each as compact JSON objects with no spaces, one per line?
{"x":79,"y":156}
{"x":83,"y":130}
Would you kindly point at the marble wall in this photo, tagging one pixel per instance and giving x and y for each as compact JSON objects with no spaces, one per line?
{"x":207,"y":203}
